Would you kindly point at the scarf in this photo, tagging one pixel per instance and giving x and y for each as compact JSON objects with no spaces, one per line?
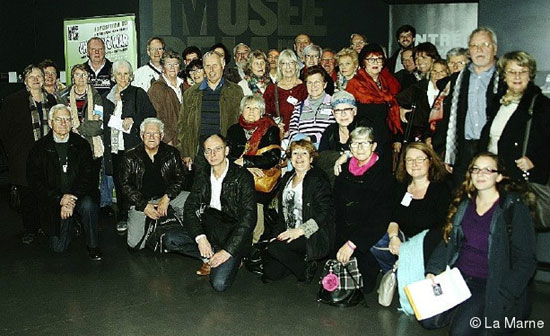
{"x":510,"y":98}
{"x":436,"y":112}
{"x":259,"y":128}
{"x":95,"y":142}
{"x":255,"y":82}
{"x":367,"y":91}
{"x":39,"y":127}
{"x":342,"y":81}
{"x":357,"y":170}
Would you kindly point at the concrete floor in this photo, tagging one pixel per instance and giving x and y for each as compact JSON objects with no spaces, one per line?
{"x":144,"y":294}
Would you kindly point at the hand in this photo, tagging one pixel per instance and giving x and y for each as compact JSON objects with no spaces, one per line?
{"x":68,"y":200}
{"x":394,"y":245}
{"x":66,"y":212}
{"x":344,"y":253}
{"x":281,"y":128}
{"x":449,"y":168}
{"x":239,"y":162}
{"x":95,"y":117}
{"x":257,"y":172}
{"x":290,"y":235}
{"x":428,"y":142}
{"x":338,"y":164}
{"x":396,"y":147}
{"x":127,"y":123}
{"x":524,"y":163}
{"x":162,"y":207}
{"x":151,"y":212}
{"x":403,"y":113}
{"x":219,"y":258}
{"x":188,"y":162}
{"x":204,"y":248}
{"x":431,"y":277}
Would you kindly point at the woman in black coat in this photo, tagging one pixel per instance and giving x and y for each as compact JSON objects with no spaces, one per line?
{"x":504,"y":133}
{"x":362,"y":194}
{"x":305,"y":230}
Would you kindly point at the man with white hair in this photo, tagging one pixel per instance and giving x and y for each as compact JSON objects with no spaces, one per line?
{"x":59,"y":170}
{"x":152,"y":180}
{"x":98,"y":66}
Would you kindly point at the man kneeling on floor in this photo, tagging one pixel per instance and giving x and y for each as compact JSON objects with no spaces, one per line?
{"x":152,"y":179}
{"x":219,"y":216}
{"x":59,"y":170}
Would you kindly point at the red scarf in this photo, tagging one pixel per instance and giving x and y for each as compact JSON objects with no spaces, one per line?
{"x":261,"y":126}
{"x":366,"y":91}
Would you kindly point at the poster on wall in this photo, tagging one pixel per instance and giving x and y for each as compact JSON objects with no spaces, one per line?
{"x":118,"y":32}
{"x":445,"y":25}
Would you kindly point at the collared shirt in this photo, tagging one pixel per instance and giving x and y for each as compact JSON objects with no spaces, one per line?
{"x":176,"y":88}
{"x":476,"y":116}
{"x":216,"y":187}
{"x":204,"y":84}
{"x":98,"y":70}
{"x":398,"y":64}
{"x":433,"y":91}
{"x":146,"y":75}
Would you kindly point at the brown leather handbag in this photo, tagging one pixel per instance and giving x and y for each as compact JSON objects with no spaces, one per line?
{"x":271,"y":176}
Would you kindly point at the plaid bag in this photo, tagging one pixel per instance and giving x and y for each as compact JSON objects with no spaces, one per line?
{"x":340,"y":284}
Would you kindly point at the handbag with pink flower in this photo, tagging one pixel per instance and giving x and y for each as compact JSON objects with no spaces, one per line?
{"x":340,"y":285}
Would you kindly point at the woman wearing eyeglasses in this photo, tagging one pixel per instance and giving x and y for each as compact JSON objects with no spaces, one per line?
{"x":489,"y":237}
{"x":504,"y":133}
{"x":375,"y":88}
{"x":362,"y":191}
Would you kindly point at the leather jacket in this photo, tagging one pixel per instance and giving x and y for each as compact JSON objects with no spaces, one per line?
{"x":133,"y":169}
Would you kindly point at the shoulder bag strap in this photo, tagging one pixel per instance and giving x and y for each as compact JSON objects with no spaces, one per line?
{"x":277,"y":100}
{"x":528,"y":126}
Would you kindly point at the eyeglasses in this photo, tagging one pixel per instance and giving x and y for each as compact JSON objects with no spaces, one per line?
{"x":152,"y":134}
{"x":343,"y":111}
{"x":315,"y":83}
{"x":515,"y":74}
{"x":373,"y":60}
{"x":484,"y":171}
{"x":156,"y":49}
{"x":288,"y":64}
{"x":49,"y":73}
{"x":362,"y":144}
{"x":312,"y":56}
{"x":443,"y":72}
{"x":80,"y":75}
{"x":171,"y":65}
{"x":194,"y":71}
{"x":419,"y":160}
{"x":451,"y":64}
{"x":216,"y":150}
{"x":60,"y":120}
{"x":484,"y":45}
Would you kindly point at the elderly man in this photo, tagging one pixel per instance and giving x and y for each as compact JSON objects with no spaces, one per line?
{"x":98,"y":66}
{"x":357,"y":42}
{"x":300,"y":42}
{"x":145,"y":75}
{"x":208,"y":108}
{"x":240,"y":53}
{"x":408,"y":75}
{"x":59,"y":170}
{"x":328,"y":62}
{"x":405,"y":35}
{"x":219,"y":216}
{"x":152,"y":179}
{"x":471,"y":94}
{"x":272,"y":59}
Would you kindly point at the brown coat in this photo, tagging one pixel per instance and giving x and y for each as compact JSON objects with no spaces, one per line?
{"x":167,"y":105}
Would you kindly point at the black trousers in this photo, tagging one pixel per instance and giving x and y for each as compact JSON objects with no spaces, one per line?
{"x":30,"y":212}
{"x":285,"y":258}
{"x":465,"y":156}
{"x":122,"y":201}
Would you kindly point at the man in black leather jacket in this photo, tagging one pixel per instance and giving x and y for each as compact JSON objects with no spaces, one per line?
{"x":219,"y":216}
{"x":152,"y":178}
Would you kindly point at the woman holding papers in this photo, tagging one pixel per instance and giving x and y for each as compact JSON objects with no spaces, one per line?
{"x":490,"y":238}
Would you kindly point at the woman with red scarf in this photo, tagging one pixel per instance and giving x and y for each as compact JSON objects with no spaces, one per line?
{"x":375,"y":89}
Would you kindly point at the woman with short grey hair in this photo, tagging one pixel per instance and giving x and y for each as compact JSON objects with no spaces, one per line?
{"x":256,"y":71}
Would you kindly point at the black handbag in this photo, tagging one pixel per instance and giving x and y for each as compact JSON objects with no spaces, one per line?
{"x":155,"y":230}
{"x":340,"y":284}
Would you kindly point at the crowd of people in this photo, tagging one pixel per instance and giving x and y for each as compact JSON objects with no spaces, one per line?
{"x":294,"y":156}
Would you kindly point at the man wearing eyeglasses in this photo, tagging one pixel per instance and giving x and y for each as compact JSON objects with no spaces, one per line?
{"x":152,"y":179}
{"x":471,"y":95}
{"x":98,"y":66}
{"x":219,"y":216}
{"x":145,"y":75}
{"x":59,"y":171}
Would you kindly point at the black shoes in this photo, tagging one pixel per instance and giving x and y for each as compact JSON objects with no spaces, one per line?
{"x":94,"y":253}
{"x":107,"y":211}
{"x":311,"y":269}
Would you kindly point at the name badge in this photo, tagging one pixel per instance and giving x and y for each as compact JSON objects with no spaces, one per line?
{"x":292,"y":100}
{"x":406,"y":201}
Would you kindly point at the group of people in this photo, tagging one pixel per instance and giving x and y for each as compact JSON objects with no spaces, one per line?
{"x":382,"y":158}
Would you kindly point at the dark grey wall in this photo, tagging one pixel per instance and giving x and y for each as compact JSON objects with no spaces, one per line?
{"x":520,"y":25}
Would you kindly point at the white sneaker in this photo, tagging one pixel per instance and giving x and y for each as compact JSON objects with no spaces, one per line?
{"x":122,"y":226}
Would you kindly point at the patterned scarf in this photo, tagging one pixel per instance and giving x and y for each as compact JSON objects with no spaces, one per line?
{"x":96,"y":142}
{"x":255,"y":82}
{"x":510,"y":98}
{"x":436,"y":112}
{"x":259,"y":128}
{"x":39,"y":127}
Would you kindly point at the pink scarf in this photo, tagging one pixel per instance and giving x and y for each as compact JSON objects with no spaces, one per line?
{"x":357,"y":170}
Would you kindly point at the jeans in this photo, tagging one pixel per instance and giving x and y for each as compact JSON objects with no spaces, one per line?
{"x":385,"y":259}
{"x":106,"y":189}
{"x":88,"y":213}
{"x":221,"y":277}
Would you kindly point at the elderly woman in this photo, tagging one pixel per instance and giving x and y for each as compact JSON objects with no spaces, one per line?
{"x":421,"y":202}
{"x":166,"y":95}
{"x":24,"y":121}
{"x":377,"y":106}
{"x":504,"y":133}
{"x":255,"y":143}
{"x":312,"y":116}
{"x":86,"y":107}
{"x":282,"y":97}
{"x":126,"y":106}
{"x":422,"y":95}
{"x":256,"y":71}
{"x":336,"y":136}
{"x":457,"y":59}
{"x":361,"y":193}
{"x":195,"y":72}
{"x":305,"y":230}
{"x":348,"y":63}
{"x":312,"y":56}
{"x":52,"y":84}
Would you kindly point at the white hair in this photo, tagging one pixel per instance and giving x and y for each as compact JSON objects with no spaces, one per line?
{"x":56,"y":108}
{"x":152,"y":121}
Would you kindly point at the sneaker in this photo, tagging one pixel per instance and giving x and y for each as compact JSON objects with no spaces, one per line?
{"x":94,"y":253}
{"x":28,"y":238}
{"x":122,"y":226}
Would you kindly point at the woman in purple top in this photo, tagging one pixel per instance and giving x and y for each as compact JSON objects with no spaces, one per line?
{"x":490,"y":237}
